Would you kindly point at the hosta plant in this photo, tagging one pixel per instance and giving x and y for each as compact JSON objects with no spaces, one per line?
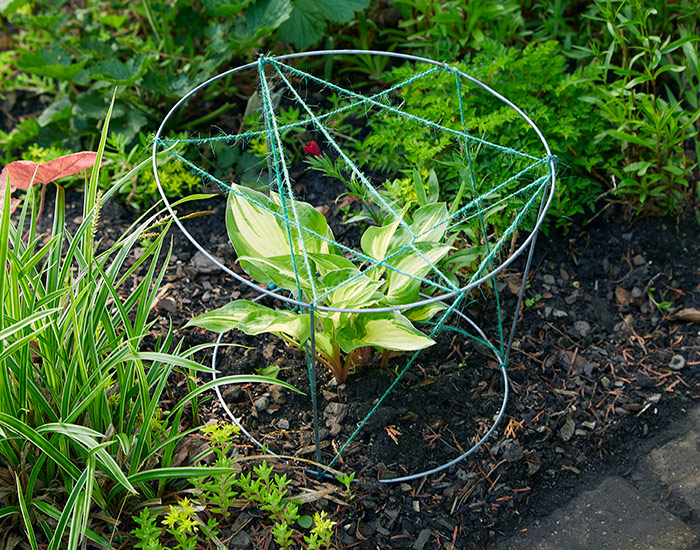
{"x":305,"y":260}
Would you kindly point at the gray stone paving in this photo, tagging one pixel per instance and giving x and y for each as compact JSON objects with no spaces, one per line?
{"x":677,"y":465}
{"x":619,"y":515}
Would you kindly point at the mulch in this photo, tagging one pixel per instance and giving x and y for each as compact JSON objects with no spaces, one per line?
{"x":606,"y":356}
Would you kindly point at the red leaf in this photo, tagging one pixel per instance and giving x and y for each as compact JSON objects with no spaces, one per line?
{"x":23,"y":173}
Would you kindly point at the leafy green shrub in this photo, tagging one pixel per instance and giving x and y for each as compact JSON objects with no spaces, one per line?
{"x":154,"y":50}
{"x":650,"y":98}
{"x":535,"y":79}
{"x":449,"y":29}
{"x":309,"y":263}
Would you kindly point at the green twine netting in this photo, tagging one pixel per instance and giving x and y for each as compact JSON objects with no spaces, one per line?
{"x":529,"y":188}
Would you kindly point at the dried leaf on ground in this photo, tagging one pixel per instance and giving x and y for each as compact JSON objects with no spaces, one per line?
{"x":688,"y":315}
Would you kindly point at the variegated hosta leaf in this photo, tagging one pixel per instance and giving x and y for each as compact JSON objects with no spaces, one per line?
{"x":265,"y":319}
{"x":390,"y":331}
{"x":402,"y":286}
{"x":280,"y":270}
{"x":224,"y":318}
{"x":330,"y":262}
{"x":425,"y":313}
{"x":375,"y":240}
{"x":353,"y":289}
{"x":252,"y":226}
{"x":430,"y":222}
{"x":253,"y":318}
{"x":317,"y":236}
{"x":257,"y":229}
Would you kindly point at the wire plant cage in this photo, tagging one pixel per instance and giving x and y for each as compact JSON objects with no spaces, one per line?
{"x":495,"y":193}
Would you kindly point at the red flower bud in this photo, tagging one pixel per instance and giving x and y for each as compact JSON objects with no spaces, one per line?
{"x":312,"y":149}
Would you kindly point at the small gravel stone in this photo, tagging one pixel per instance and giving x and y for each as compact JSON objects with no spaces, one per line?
{"x":636,"y":292}
{"x":335,"y":429}
{"x":567,"y":430}
{"x":512,"y":451}
{"x":639,"y":260}
{"x":283,"y":424}
{"x":262,"y":403}
{"x":240,"y":540}
{"x":582,"y":327}
{"x":548,"y":279}
{"x":558,"y":313}
{"x":677,"y":362}
{"x":335,"y":413}
{"x":203,"y":264}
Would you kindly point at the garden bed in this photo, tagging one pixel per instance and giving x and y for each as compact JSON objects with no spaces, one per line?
{"x":594,"y":372}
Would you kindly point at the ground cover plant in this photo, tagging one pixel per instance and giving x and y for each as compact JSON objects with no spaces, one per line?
{"x":155,"y":51}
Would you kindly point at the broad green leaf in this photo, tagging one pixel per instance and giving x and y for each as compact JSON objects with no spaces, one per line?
{"x":403,"y":287}
{"x":313,"y":221}
{"x":341,"y":11}
{"x":429,"y":222}
{"x":466,"y":257}
{"x":425,"y":313}
{"x":54,"y":63}
{"x":262,"y":17}
{"x":390,"y":331}
{"x":280,"y":270}
{"x":330,"y":262}
{"x":252,"y":226}
{"x":224,"y":318}
{"x":266,"y":319}
{"x":256,"y":227}
{"x":253,"y":318}
{"x":124,"y":74}
{"x":305,"y":25}
{"x":325,"y":340}
{"x":353,"y":289}
{"x":375,"y":240}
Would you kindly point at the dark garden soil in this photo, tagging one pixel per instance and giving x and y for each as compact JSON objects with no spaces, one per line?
{"x":606,"y":356}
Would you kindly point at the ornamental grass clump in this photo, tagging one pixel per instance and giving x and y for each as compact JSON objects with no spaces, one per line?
{"x":83,"y":428}
{"x":305,"y":260}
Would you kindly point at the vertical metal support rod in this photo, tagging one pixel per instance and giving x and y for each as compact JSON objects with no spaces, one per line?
{"x":523,"y":285}
{"x":314,"y":395}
